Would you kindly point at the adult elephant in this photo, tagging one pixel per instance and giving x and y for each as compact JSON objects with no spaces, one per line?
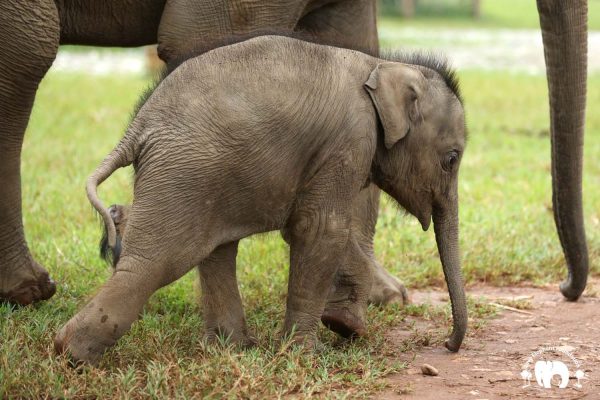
{"x":30,"y":36}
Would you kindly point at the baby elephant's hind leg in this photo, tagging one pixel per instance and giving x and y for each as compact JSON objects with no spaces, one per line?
{"x":221,"y":301}
{"x":150,"y":260}
{"x":111,"y":312}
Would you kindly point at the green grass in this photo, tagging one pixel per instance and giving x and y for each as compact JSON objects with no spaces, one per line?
{"x":507,"y":236}
{"x":516,"y":14}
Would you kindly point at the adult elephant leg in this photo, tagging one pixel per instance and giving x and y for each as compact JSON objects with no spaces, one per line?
{"x":29,"y":37}
{"x":564,"y":31}
{"x":221,"y":300}
{"x":109,"y":23}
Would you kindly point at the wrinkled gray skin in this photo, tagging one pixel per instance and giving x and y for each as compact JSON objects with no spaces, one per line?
{"x":30,"y":37}
{"x":276,"y":133}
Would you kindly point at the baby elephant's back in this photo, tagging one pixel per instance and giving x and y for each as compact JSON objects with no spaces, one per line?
{"x":270,"y":74}
{"x":271,"y":92}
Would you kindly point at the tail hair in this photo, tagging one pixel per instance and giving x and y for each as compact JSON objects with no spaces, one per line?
{"x":121,"y":156}
{"x":109,"y":254}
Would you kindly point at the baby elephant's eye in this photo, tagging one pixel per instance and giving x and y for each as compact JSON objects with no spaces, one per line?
{"x":450,"y":160}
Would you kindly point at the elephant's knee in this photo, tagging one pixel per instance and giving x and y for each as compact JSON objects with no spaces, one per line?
{"x":327,"y":230}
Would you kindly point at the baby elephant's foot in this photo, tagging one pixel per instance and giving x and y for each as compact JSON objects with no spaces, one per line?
{"x":387,"y":289}
{"x":300,"y":331}
{"x":239,"y":339}
{"x":79,"y":343}
{"x":88,"y":334}
{"x":347,"y":321}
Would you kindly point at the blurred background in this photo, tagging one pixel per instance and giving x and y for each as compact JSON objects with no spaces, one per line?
{"x":479,"y":34}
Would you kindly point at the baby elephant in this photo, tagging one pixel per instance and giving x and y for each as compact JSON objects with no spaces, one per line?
{"x":276,"y":133}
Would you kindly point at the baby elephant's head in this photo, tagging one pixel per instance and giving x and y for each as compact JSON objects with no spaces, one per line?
{"x":423,"y":136}
{"x":119,"y":215}
{"x":418,"y":155}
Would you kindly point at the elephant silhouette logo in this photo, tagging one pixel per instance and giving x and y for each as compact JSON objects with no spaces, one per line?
{"x":526,"y":375}
{"x":545,"y":370}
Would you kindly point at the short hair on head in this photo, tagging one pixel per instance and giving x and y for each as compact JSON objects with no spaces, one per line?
{"x":435,"y":62}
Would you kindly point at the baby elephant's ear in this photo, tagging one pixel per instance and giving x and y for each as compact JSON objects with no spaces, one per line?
{"x":395,"y":89}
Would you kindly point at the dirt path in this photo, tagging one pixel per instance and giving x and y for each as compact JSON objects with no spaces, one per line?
{"x":490,"y":363}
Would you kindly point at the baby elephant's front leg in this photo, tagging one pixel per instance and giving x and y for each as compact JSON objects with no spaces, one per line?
{"x":317,"y":243}
{"x":347,"y":302}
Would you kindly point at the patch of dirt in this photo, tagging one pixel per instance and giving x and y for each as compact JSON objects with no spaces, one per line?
{"x":490,"y":363}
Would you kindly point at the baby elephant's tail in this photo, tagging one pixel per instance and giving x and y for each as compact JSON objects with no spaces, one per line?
{"x":121,"y":156}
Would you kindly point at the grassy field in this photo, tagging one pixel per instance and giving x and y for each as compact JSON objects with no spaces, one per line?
{"x":507,"y":237}
{"x":505,"y":14}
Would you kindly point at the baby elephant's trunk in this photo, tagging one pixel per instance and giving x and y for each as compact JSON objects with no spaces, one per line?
{"x":121,"y":156}
{"x":445,"y":222}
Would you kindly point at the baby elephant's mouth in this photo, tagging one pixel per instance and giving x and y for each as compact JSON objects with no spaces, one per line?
{"x":425,"y":221}
{"x":422,"y":210}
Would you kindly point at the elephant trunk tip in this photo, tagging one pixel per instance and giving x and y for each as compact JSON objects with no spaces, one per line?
{"x":573,"y":289}
{"x":454,"y":342}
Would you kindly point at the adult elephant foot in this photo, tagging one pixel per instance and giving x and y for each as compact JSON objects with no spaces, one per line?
{"x":25,"y":283}
{"x":386,"y":288}
{"x":30,"y":37}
